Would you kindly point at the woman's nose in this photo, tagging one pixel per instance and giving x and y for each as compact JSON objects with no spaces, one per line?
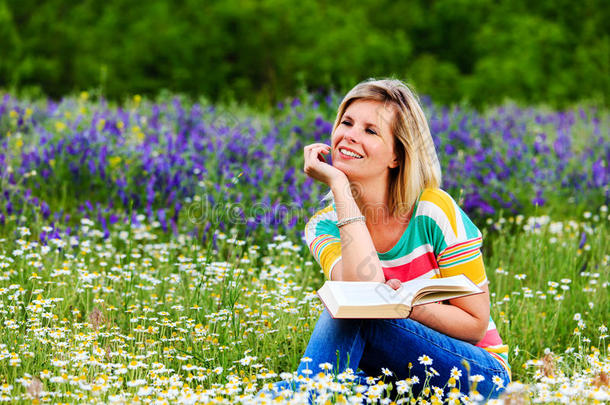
{"x":351,"y":135}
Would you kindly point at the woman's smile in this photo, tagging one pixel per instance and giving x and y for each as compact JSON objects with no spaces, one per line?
{"x":349,"y":154}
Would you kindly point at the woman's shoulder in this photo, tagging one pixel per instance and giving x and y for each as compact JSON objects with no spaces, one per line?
{"x":437,"y":208}
{"x":436,"y":200}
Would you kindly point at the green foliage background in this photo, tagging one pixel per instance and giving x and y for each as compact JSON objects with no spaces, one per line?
{"x":480,"y":51}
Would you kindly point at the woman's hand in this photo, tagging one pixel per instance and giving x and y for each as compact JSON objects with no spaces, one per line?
{"x":316,"y":166}
{"x":394,"y":283}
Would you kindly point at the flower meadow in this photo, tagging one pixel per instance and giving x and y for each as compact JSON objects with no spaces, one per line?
{"x":152,"y":252}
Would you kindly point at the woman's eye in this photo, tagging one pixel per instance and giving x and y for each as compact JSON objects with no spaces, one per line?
{"x":346,"y":123}
{"x":370,"y":131}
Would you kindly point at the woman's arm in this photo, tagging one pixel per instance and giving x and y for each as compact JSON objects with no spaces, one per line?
{"x":359,"y":260}
{"x":465,"y":318}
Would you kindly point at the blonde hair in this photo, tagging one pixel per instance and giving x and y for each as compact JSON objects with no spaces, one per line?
{"x":418,"y":166}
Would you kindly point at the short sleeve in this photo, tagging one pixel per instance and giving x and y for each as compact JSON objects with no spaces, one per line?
{"x":323,"y":239}
{"x":455,"y":239}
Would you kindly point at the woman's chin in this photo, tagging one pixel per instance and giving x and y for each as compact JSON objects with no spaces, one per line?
{"x":346,"y":170}
{"x":358,"y":174}
{"x":351,"y":175}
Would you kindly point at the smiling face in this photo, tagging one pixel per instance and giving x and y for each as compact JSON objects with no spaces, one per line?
{"x":362,"y":142}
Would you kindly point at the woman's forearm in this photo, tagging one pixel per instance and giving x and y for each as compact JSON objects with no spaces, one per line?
{"x":359,"y":257}
{"x":452,"y":321}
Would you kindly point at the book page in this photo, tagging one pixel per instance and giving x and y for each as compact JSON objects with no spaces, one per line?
{"x":454,"y":283}
{"x":441,"y":289}
{"x":366,"y":294}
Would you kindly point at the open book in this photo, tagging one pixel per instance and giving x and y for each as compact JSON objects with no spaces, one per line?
{"x":362,"y":299}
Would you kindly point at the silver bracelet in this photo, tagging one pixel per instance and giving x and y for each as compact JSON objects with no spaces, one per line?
{"x":350,"y":220}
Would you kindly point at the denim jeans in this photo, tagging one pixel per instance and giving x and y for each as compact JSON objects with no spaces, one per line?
{"x":398,"y":345}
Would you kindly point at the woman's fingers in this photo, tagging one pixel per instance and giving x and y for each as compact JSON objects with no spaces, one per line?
{"x":321,"y":154}
{"x":317,"y":148}
{"x":315,"y":153}
{"x":394,"y":283}
{"x":316,"y":166}
{"x":316,"y":145}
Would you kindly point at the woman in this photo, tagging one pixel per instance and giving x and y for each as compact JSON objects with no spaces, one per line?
{"x":389,"y":222}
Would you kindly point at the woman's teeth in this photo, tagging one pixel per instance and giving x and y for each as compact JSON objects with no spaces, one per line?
{"x":348,"y":153}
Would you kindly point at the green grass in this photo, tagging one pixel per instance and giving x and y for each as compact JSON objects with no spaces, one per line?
{"x":148,"y":316}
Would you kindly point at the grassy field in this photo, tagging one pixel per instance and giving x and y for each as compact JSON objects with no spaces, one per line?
{"x":135,"y":265}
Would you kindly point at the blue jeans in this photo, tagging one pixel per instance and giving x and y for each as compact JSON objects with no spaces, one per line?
{"x":397,"y":345}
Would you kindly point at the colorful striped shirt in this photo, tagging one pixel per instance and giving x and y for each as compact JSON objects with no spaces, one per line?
{"x":440,"y":241}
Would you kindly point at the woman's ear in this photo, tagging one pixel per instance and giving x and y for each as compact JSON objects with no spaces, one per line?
{"x":395,"y":163}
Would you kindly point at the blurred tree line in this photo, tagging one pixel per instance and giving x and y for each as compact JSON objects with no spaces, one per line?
{"x":482,"y":51}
